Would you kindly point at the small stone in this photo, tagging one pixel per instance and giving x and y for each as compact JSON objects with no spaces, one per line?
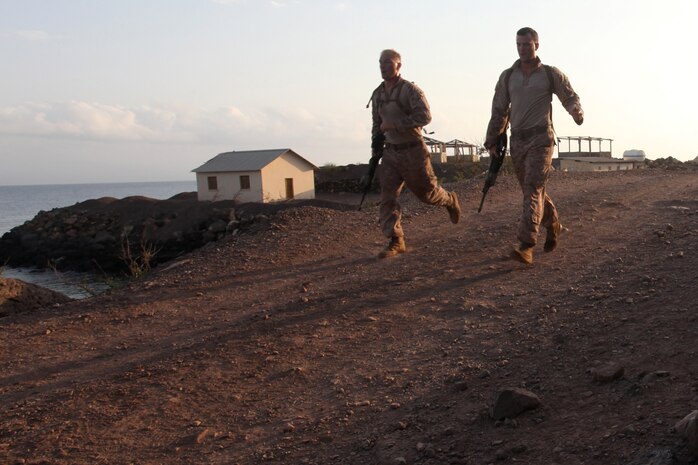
{"x":201,"y":437}
{"x":519,"y":449}
{"x":654,"y":457}
{"x":607,"y":373}
{"x":461,"y":386}
{"x":649,"y":378}
{"x":688,"y":428}
{"x":511,"y":402}
{"x":511,"y":423}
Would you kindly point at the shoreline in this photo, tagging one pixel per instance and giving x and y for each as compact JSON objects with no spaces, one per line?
{"x":73,"y":284}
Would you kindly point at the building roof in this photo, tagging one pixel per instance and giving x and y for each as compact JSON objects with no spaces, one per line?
{"x":249,"y":160}
{"x":583,"y":138}
{"x":451,"y":143}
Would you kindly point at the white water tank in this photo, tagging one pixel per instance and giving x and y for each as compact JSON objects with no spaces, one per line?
{"x":634,"y":155}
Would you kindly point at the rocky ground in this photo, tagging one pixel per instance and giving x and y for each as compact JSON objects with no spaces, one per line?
{"x":130,"y":235}
{"x":293,"y":344}
{"x":20,"y":297}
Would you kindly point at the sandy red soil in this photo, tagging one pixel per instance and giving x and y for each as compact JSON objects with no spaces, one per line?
{"x":295,"y":345}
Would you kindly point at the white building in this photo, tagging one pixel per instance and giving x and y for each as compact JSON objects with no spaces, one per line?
{"x":581,"y":158}
{"x":592,"y":164}
{"x":256,"y":176}
{"x":634,"y":155}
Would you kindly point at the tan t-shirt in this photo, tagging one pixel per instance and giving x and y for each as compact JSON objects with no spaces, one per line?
{"x":405,"y":106}
{"x":527,"y":103}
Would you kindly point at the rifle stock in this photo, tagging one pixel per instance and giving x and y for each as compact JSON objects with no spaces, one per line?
{"x":495,"y":164}
{"x":372,"y":165}
{"x":377,"y":144}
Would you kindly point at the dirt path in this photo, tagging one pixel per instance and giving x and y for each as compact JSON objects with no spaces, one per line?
{"x":295,"y":345}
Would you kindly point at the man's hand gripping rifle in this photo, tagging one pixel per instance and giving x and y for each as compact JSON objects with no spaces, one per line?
{"x":495,"y":164}
{"x":377,"y":144}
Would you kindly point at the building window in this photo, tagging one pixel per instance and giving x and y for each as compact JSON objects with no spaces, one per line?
{"x":244,"y":182}
{"x":212,"y":183}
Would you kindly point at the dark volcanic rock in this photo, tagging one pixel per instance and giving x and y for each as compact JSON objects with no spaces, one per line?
{"x":511,"y":402}
{"x":17,"y":296}
{"x":113,"y":235}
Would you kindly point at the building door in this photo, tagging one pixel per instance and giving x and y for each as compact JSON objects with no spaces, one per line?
{"x":289,"y":188}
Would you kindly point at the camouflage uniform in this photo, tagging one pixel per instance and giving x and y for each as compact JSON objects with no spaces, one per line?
{"x":406,"y":159}
{"x":526,"y":104}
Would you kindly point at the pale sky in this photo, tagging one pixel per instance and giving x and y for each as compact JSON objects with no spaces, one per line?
{"x":146,"y":90}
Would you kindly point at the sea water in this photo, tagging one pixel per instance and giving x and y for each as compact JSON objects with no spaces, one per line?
{"x":19,"y":204}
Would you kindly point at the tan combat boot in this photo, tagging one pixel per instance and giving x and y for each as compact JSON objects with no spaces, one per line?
{"x":396,"y":246}
{"x":553,"y":236}
{"x":523,"y":254}
{"x":454,"y":209}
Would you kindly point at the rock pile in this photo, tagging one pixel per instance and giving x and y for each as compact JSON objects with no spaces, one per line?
{"x":670,"y":163}
{"x":100,"y":234}
{"x":348,"y":178}
{"x":342,"y":178}
{"x":17,"y":297}
{"x":112,"y":235}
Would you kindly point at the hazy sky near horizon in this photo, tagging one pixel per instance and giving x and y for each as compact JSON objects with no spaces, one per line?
{"x":147,"y":90}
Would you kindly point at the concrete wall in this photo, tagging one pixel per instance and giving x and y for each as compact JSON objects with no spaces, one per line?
{"x":578,"y":165}
{"x":438,"y":157}
{"x":583,"y":154}
{"x":467,"y":158}
{"x":229,"y":187}
{"x":287,"y":166}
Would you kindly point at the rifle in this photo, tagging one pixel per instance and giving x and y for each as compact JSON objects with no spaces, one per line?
{"x":495,"y":164}
{"x":377,"y":144}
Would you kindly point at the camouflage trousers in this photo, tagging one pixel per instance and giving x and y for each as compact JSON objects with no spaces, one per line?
{"x":412,"y":168}
{"x":532,"y":164}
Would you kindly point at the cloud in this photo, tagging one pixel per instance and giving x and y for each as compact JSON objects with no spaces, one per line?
{"x":86,"y":120}
{"x":166,"y":136}
{"x":173,"y":124}
{"x":30,"y":35}
{"x":341,"y":7}
{"x":271,"y":3}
